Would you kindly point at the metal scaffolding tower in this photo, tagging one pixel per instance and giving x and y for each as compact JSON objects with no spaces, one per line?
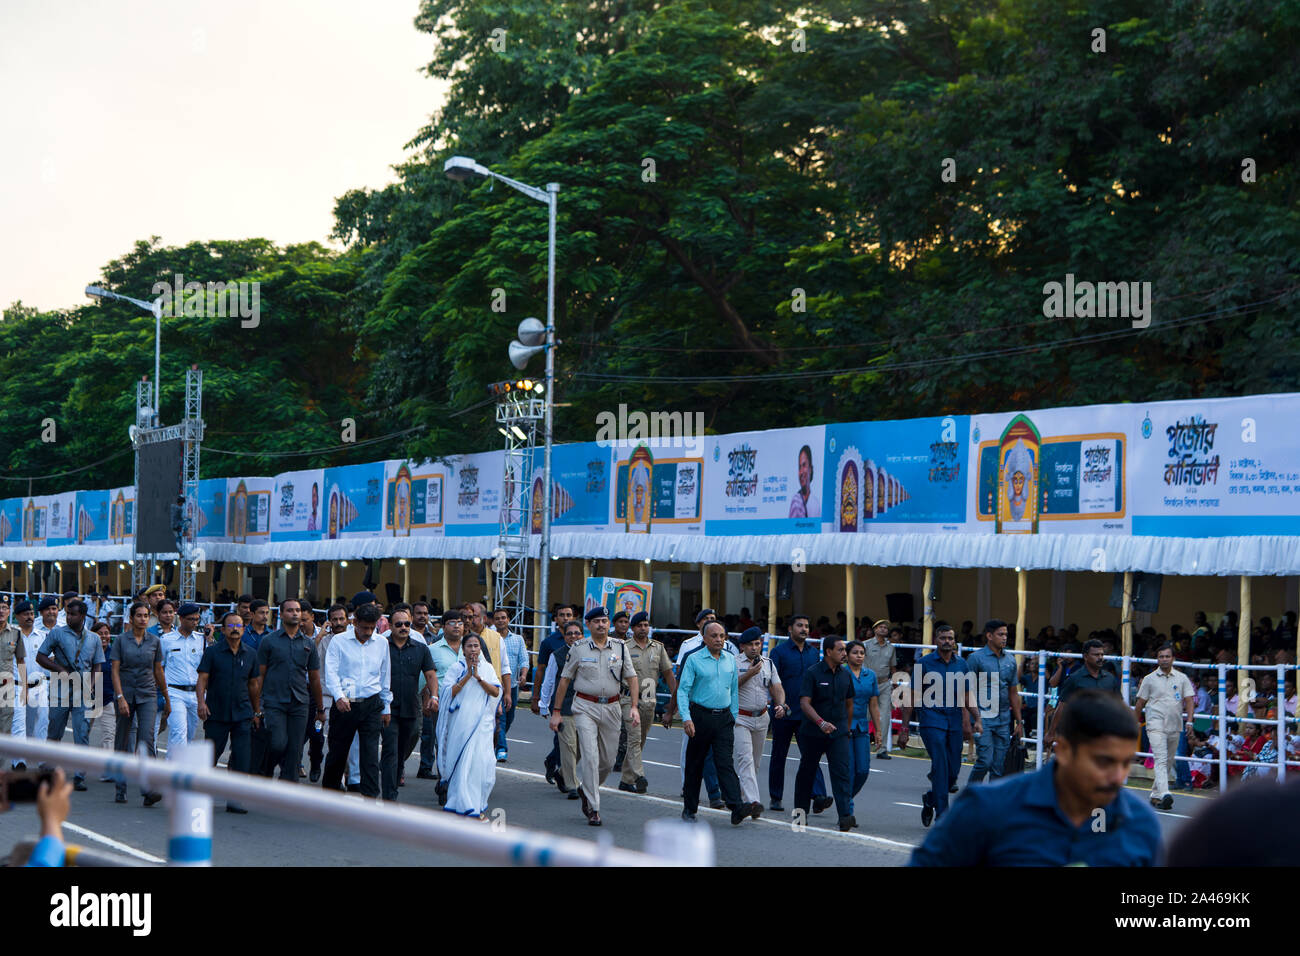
{"x":190,"y":432}
{"x":519,"y":414}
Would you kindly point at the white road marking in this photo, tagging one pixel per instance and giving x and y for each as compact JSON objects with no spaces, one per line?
{"x":783,"y":824}
{"x":109,"y":842}
{"x":900,"y":803}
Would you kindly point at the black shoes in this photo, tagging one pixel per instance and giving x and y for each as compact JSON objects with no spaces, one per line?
{"x":151,"y":798}
{"x":953,"y":788}
{"x":79,"y":785}
{"x":119,"y":798}
{"x":718,"y":804}
{"x":821,"y":803}
{"x":641,"y":785}
{"x":883,"y":755}
{"x":847,"y":823}
{"x":739,"y":814}
{"x":421,"y":774}
{"x":573,"y":794}
{"x":927,"y":809}
{"x":688,"y":817}
{"x":627,"y":787}
{"x":775,"y":805}
{"x":755,"y":810}
{"x":550,"y":774}
{"x":233,"y":808}
{"x":315,"y":775}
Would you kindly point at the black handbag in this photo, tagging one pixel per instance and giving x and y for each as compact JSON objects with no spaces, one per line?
{"x":1017,"y":758}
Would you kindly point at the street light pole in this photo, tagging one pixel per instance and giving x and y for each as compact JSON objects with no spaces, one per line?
{"x":544,"y":549}
{"x":461,"y":168}
{"x":155,"y":309}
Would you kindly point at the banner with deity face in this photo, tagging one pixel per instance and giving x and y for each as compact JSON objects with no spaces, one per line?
{"x":896,"y":476}
{"x":298,"y":505}
{"x":413,"y":498}
{"x":580,"y":489}
{"x":248,"y":509}
{"x":764,"y":482}
{"x":1059,"y":470}
{"x":474,"y":494}
{"x":657,"y":490}
{"x":354,"y":500}
{"x":618,"y":594}
{"x":91,"y":517}
{"x":35,"y":513}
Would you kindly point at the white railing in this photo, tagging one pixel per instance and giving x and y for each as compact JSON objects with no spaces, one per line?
{"x":191,"y":782}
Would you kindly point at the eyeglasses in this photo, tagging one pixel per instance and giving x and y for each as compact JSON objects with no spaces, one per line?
{"x":401,"y":624}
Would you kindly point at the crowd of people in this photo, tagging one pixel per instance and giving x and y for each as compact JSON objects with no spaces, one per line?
{"x":343,"y":695}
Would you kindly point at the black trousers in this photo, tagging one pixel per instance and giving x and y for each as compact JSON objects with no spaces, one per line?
{"x":714,"y":729}
{"x":363,"y":717}
{"x":238,"y":732}
{"x":315,"y":744}
{"x":259,"y":744}
{"x":399,"y":739}
{"x":839,"y":757}
{"x":285,"y":727}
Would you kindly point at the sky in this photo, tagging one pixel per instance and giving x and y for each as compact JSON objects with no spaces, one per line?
{"x":192,"y":121}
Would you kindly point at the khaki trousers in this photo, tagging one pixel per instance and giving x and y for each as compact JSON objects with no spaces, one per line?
{"x":569,"y":752}
{"x":598,"y":726}
{"x":1164,"y":744}
{"x":632,"y":766}
{"x":751,"y":734}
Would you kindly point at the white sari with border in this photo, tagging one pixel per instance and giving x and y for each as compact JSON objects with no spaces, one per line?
{"x":466,"y":736}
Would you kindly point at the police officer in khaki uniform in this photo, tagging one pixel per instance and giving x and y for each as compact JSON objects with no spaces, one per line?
{"x":652,"y":664}
{"x":597,"y":666}
{"x":11,"y":659}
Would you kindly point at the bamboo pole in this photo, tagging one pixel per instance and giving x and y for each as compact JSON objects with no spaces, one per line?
{"x":1022,"y":607}
{"x":927,"y":622}
{"x":771,"y":599}
{"x":1243,"y":651}
{"x":1126,"y":625}
{"x":705,"y":589}
{"x":446,"y":591}
{"x":850,"y":609}
{"x":406,"y":581}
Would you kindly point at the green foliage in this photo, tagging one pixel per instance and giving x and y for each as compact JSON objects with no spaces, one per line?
{"x":796,"y":256}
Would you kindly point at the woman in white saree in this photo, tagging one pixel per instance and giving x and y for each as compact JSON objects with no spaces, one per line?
{"x":466,"y":731}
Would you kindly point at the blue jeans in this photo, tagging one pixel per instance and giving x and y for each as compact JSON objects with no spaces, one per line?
{"x":859,"y":763}
{"x":944,"y":747}
{"x":991,"y":750}
{"x":507,"y":718}
{"x":782,"y":731}
{"x":80,"y":728}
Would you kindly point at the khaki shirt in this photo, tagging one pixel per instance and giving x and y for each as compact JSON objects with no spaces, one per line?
{"x":880,"y":661}
{"x":1164,"y":699}
{"x":596,"y":671}
{"x":11,"y":651}
{"x":755,"y":693}
{"x":650,"y":665}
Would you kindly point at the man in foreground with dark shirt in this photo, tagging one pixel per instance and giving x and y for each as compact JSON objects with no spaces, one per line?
{"x":1074,"y":811}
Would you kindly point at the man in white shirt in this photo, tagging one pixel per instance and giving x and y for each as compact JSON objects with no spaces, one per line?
{"x":1167,"y":697}
{"x":182,"y":650}
{"x":357,"y":676}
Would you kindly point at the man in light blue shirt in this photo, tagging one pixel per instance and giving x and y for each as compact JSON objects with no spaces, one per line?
{"x":1002,"y":719}
{"x":72,"y":654}
{"x":709,"y":699}
{"x":182,"y":650}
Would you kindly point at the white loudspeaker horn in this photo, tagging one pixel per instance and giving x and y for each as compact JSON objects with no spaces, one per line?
{"x":520,"y":353}
{"x":532,"y":331}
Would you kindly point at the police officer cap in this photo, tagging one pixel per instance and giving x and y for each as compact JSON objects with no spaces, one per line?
{"x":47,"y":602}
{"x":596,"y":611}
{"x":187,"y":609}
{"x":750,"y":634}
{"x":22,"y":606}
{"x":617,"y":615}
{"x":705,"y":612}
{"x":364,"y":597}
{"x":638,"y":617}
